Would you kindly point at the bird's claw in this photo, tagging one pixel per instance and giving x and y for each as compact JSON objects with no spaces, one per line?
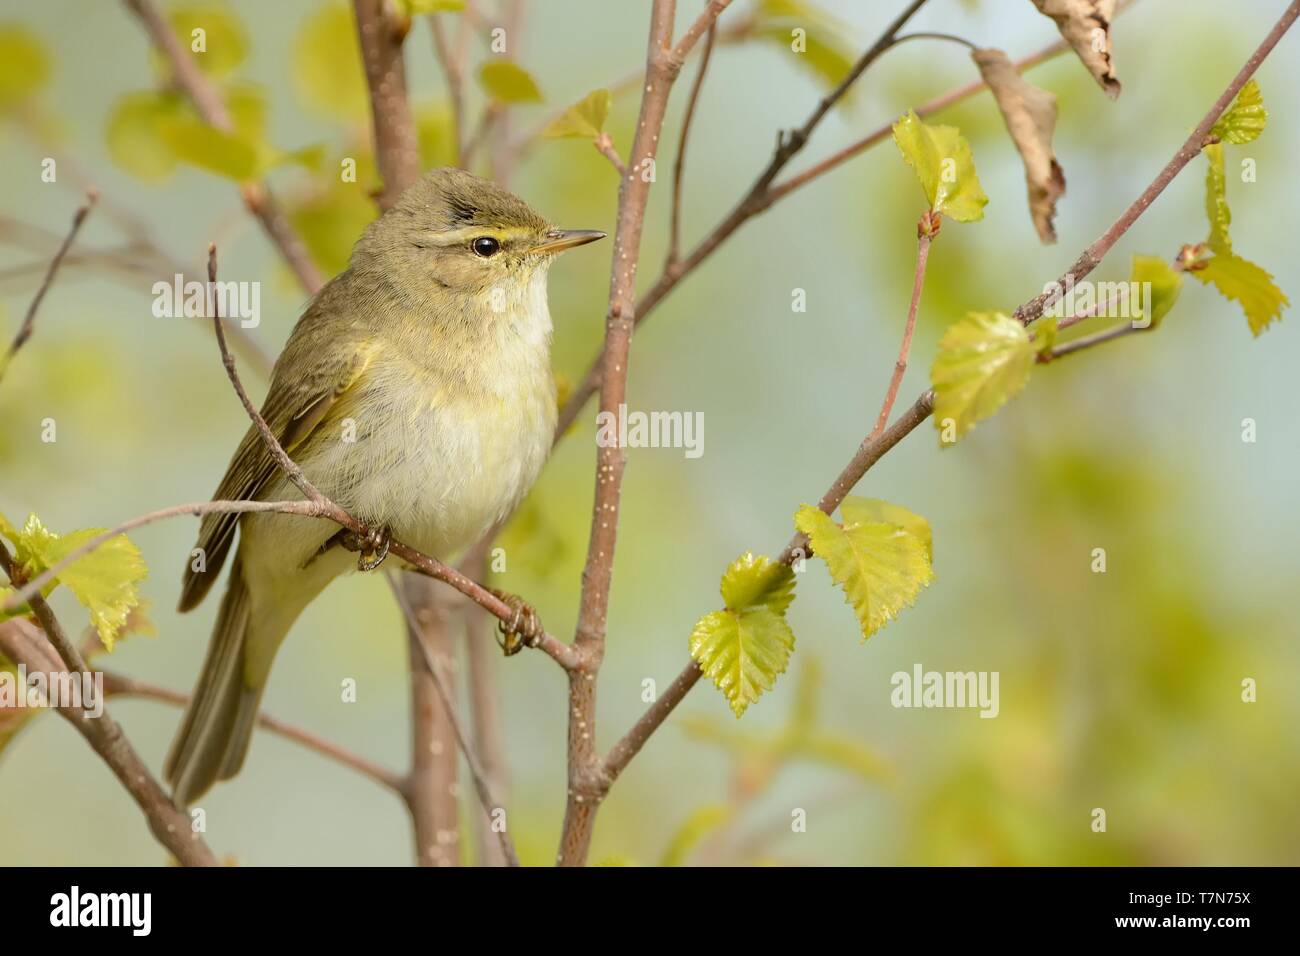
{"x":371,"y":546}
{"x":524,"y":628}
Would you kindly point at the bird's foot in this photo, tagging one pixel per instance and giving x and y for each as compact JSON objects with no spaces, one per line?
{"x":370,"y":544}
{"x":525,"y":627}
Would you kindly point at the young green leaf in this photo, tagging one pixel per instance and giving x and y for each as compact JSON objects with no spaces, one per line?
{"x":1245,"y":119}
{"x":1216,"y":200}
{"x":413,"y":8}
{"x":744,"y":648}
{"x":983,"y":360}
{"x":24,"y":64}
{"x":327,"y":70}
{"x":1166,"y":282}
{"x":1045,"y":335}
{"x":942,"y":160}
{"x":1242,"y":281}
{"x":508,"y":82}
{"x":105,"y":580}
{"x":135,"y":133}
{"x":814,"y":36}
{"x":585,"y":119}
{"x":881,"y":565}
{"x":221,"y":46}
{"x":232,"y":154}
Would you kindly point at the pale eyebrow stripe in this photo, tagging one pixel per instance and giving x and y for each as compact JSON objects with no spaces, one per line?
{"x":465,"y":234}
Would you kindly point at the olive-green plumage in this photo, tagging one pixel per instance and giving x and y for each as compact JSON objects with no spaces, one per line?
{"x":415,"y":391}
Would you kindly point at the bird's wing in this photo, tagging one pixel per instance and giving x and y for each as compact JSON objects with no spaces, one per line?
{"x":295,"y":405}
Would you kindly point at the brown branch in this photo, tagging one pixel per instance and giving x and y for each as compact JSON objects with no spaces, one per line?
{"x":1191,"y":148}
{"x":872,"y":450}
{"x":207,"y":101}
{"x":928,"y":228}
{"x":396,"y":152}
{"x":452,"y":64}
{"x":118,"y":685}
{"x":447,"y":699}
{"x":1088,"y":341}
{"x":20,"y":642}
{"x":679,"y":166}
{"x":29,"y":320}
{"x":758,"y":198}
{"x":605,"y":146}
{"x":484,"y":718}
{"x":586,"y":786}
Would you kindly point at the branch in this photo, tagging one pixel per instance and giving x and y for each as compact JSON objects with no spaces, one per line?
{"x":872,"y":450}
{"x":170,"y":825}
{"x":396,"y":152}
{"x":117,"y":685}
{"x":482,"y":788}
{"x":1191,"y":148}
{"x":605,"y":146}
{"x":679,"y":167}
{"x":484,"y":717}
{"x":452,"y":63}
{"x":29,"y":320}
{"x":926,"y":231}
{"x":207,"y":101}
{"x":758,"y":198}
{"x":586,"y":788}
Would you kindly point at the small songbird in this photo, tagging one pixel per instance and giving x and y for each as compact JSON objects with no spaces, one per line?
{"x":416,"y":392}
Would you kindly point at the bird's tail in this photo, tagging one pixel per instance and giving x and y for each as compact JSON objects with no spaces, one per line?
{"x":218,"y":724}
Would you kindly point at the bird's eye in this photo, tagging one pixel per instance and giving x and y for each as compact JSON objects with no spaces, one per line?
{"x":485,"y":246}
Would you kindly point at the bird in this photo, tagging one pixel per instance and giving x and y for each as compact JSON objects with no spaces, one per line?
{"x":416,"y":392}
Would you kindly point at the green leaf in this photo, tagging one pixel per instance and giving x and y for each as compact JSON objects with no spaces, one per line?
{"x":744,"y":648}
{"x":230,"y":154}
{"x":1242,"y":281}
{"x":863,"y":510}
{"x":821,"y":48}
{"x":413,"y":8}
{"x":327,"y":67}
{"x":1166,"y":282}
{"x":697,"y":826}
{"x":330,"y":217}
{"x":983,"y":360}
{"x":436,"y":132}
{"x":1045,"y":335}
{"x":508,"y":82}
{"x":225,"y":45}
{"x":1216,"y":200}
{"x":585,"y":119}
{"x":135,"y":133}
{"x":942,"y":161}
{"x":104,"y":580}
{"x":881,"y":565}
{"x":1245,"y":119}
{"x":24,"y":64}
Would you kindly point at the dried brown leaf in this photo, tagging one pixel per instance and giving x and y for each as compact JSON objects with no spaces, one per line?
{"x":1085,"y":24}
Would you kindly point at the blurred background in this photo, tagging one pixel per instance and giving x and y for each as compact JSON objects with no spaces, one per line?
{"x":1120,"y":690}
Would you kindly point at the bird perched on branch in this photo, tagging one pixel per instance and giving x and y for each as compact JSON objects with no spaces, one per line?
{"x":416,"y":392}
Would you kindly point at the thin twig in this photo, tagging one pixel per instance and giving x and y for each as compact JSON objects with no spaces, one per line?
{"x":207,"y":100}
{"x":453,"y":72}
{"x":169,"y":825}
{"x":118,"y":685}
{"x":605,"y":146}
{"x":756,"y":199}
{"x":679,"y":166}
{"x":29,"y":320}
{"x":586,"y":786}
{"x":928,"y":229}
{"x":872,"y":451}
{"x":482,"y":788}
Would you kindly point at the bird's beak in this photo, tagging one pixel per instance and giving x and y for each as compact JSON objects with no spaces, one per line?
{"x":560,"y":239}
